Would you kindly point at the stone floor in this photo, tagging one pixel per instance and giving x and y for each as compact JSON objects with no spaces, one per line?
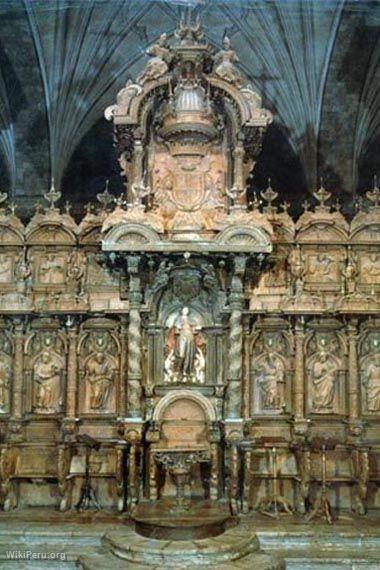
{"x":101,"y":540}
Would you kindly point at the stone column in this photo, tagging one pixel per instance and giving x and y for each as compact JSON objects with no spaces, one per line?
{"x":235,"y":352}
{"x":239,"y":181}
{"x":134,"y":338}
{"x":353,"y":379}
{"x":234,"y":477}
{"x":152,"y":476}
{"x":247,"y":462}
{"x":18,"y":371}
{"x":300,"y":424}
{"x":123,"y":369}
{"x":72,"y":374}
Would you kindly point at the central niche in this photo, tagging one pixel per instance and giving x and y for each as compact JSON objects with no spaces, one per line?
{"x":185,"y":348}
{"x":185,"y":329}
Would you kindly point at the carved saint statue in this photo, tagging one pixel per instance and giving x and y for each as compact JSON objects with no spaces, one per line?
{"x":159,"y":64}
{"x":5,"y":374}
{"x":47,"y":378}
{"x":224,"y":64}
{"x":185,"y":361}
{"x":371,"y":381}
{"x":271,"y":374}
{"x":324,"y":377}
{"x":99,"y":376}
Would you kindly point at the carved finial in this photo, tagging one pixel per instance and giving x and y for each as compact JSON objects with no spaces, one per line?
{"x":322,"y":195}
{"x":256,"y":202}
{"x":105,"y":198}
{"x":139,"y":192}
{"x":52,"y":196}
{"x":306,"y":205}
{"x":37,"y":208}
{"x":374,"y":194}
{"x":235,"y":194}
{"x":120,"y":201}
{"x":358,"y":202}
{"x":337,"y":206}
{"x":269,"y":195}
{"x":285,"y":207}
{"x":67,"y":207}
{"x":89,"y":207}
{"x":187,"y":31}
{"x":13,"y":207}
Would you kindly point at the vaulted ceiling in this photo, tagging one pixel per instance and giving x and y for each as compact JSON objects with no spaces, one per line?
{"x":315,"y":62}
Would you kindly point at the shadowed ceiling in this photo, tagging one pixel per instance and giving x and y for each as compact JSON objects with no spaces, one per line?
{"x":315,"y":62}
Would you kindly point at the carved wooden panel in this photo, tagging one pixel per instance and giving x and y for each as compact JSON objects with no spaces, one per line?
{"x":369,"y":369}
{"x":45,"y":368}
{"x":99,"y":369}
{"x":325,"y":372}
{"x":6,"y":369}
{"x":270,"y":369}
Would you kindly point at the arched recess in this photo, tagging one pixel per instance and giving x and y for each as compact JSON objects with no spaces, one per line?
{"x":172,"y":397}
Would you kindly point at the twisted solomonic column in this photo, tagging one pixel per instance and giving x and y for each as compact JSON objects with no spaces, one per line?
{"x":134,"y":340}
{"x":235,"y":352}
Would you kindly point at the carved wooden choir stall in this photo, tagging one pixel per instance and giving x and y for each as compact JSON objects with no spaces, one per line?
{"x":203,"y":340}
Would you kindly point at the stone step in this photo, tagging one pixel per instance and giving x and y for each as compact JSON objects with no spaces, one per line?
{"x":331,"y":564}
{"x":251,"y":562}
{"x":231,"y":545}
{"x":35,"y":536}
{"x":104,"y":560}
{"x":337,"y":541}
{"x":27,"y":555}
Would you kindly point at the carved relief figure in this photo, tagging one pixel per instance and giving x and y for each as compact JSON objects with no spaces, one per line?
{"x":47,"y":372}
{"x":5,"y":376}
{"x":159,"y":64}
{"x":23,"y":274}
{"x":271,"y":381}
{"x":350,"y":273}
{"x":370,"y":268}
{"x":322,"y":268}
{"x":324,"y":377}
{"x":371,"y":381}
{"x":5,"y":268}
{"x":99,"y":376}
{"x":52,"y":270}
{"x":185,"y":360}
{"x":224,"y":64}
